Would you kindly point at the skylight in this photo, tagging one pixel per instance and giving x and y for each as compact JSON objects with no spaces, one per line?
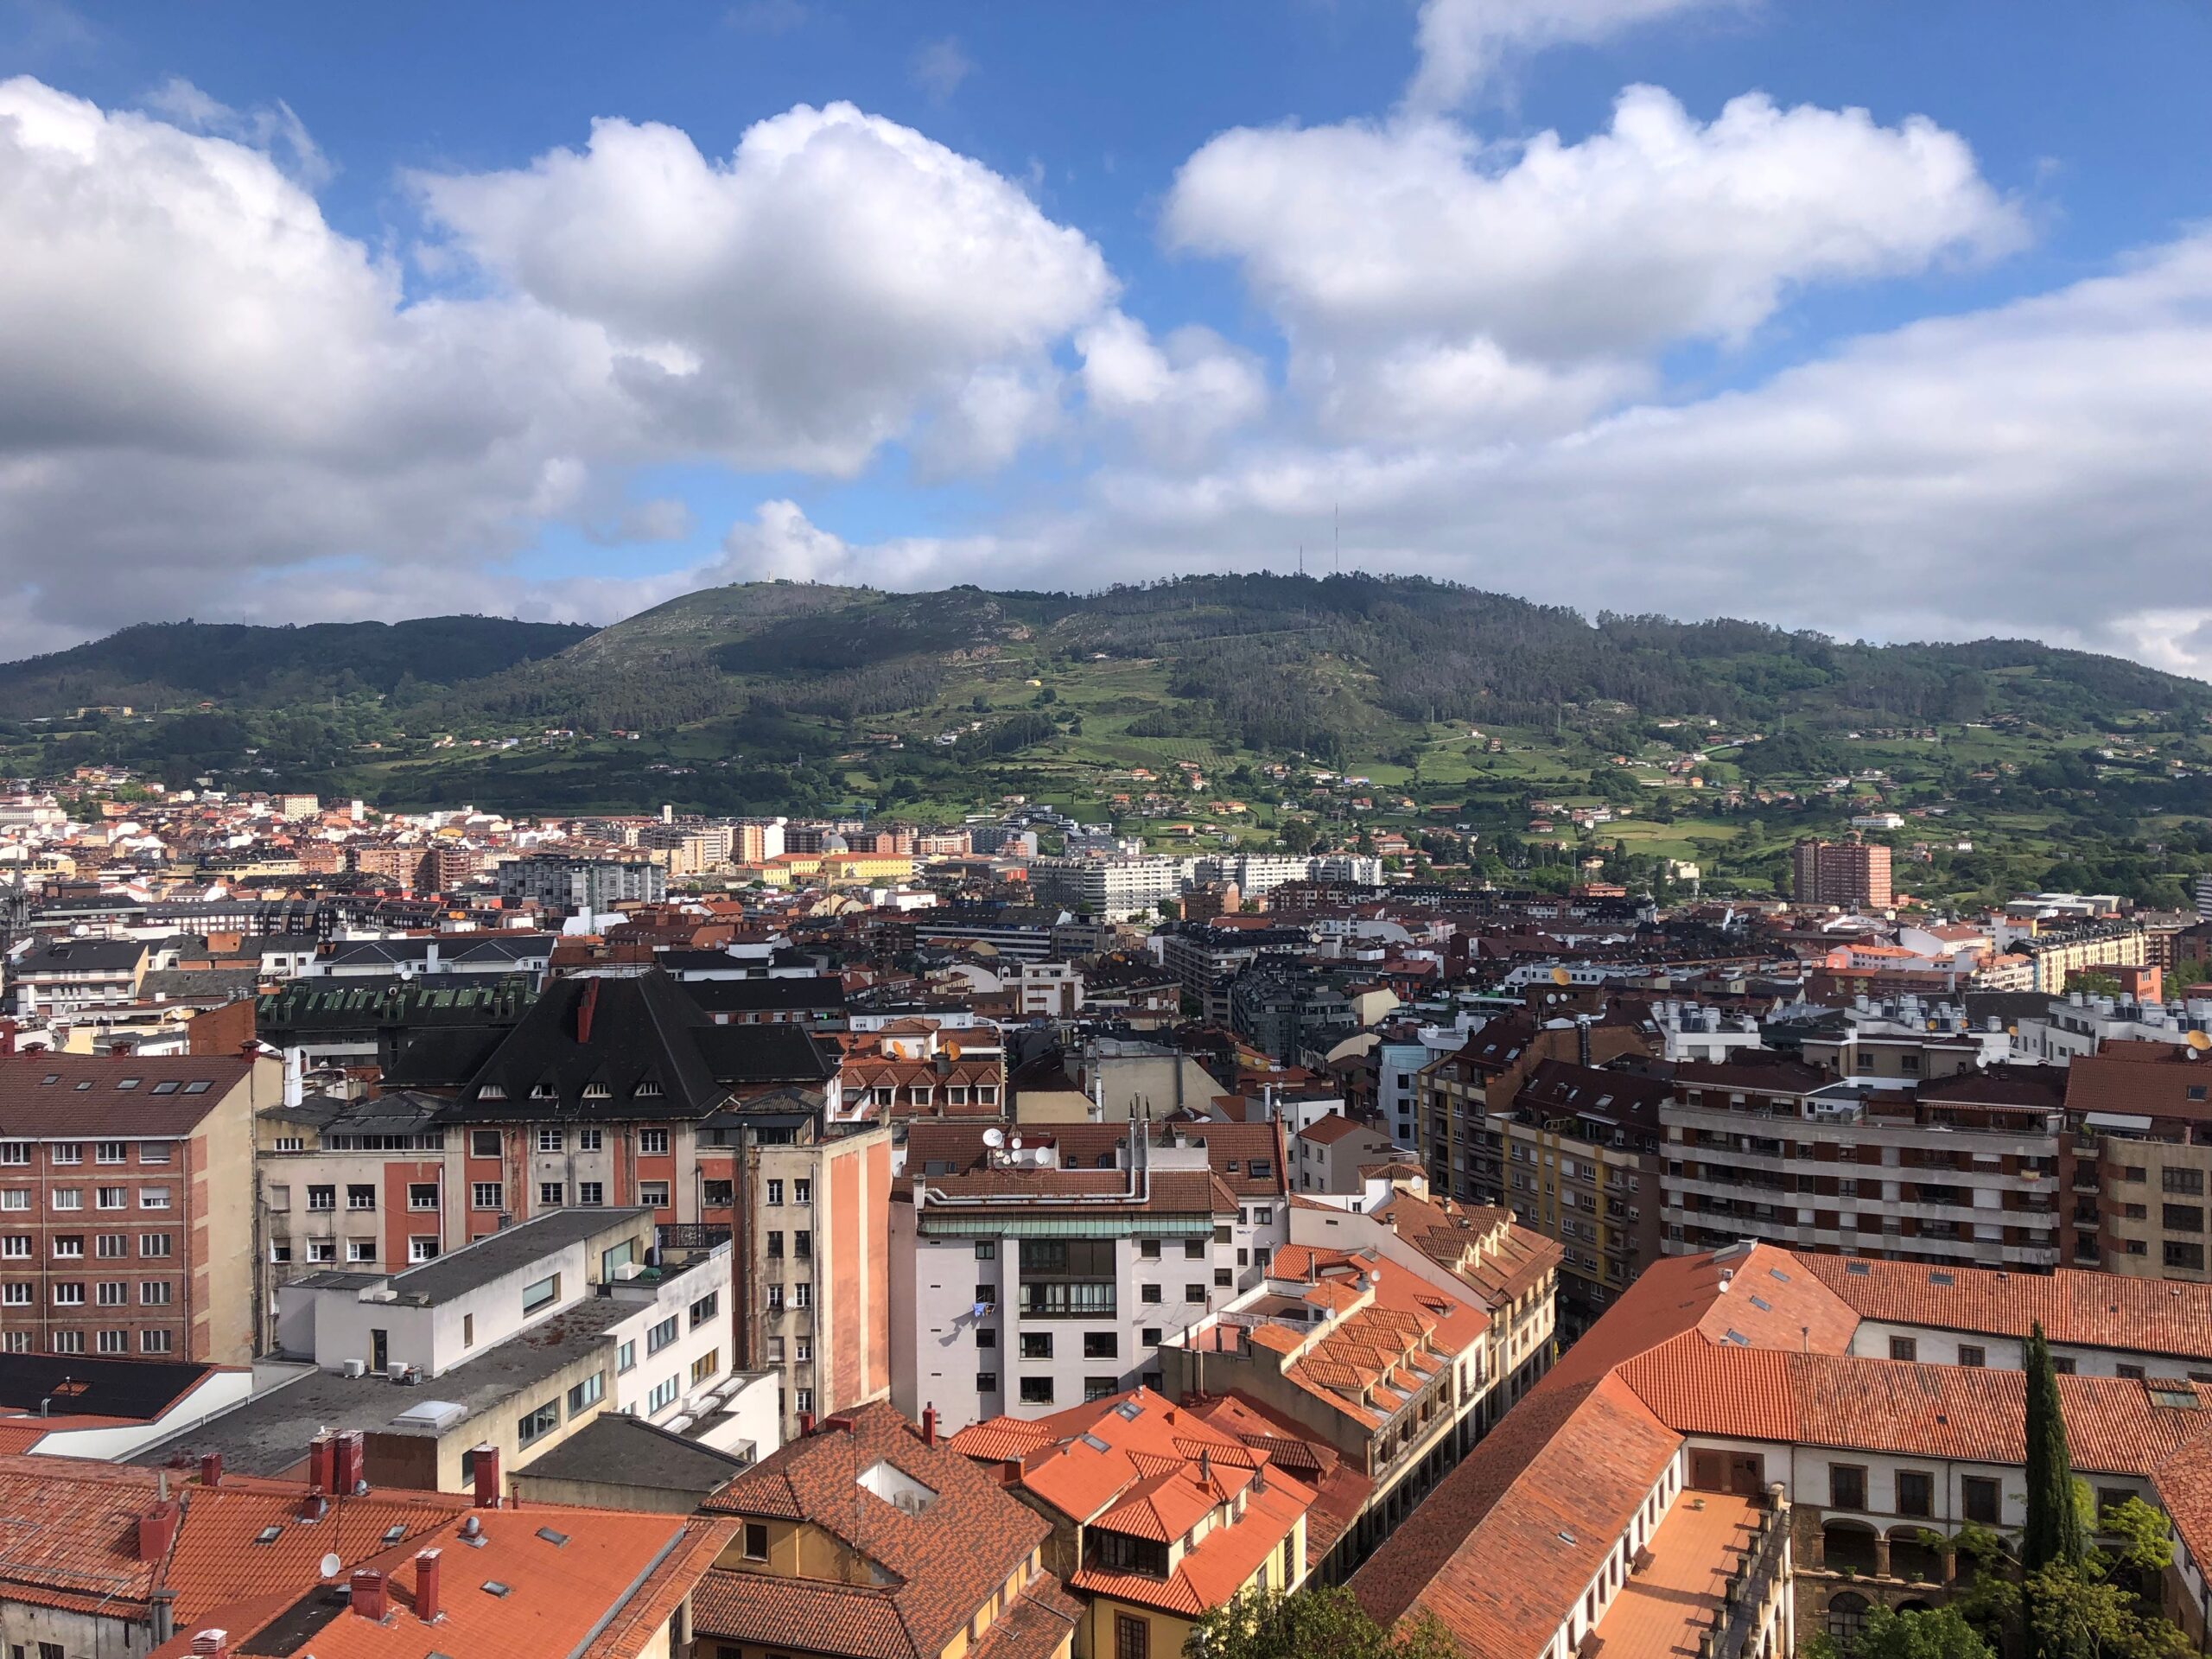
{"x":1941,"y":1278}
{"x":1762,"y":1304}
{"x":1858,"y":1267}
{"x":1777,"y":1272}
{"x":1738,"y":1338}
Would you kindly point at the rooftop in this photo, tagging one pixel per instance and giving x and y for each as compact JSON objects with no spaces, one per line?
{"x":471,"y":1267}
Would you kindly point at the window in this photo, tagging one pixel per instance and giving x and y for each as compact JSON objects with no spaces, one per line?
{"x":626,"y":1356}
{"x":1036,"y":1390}
{"x":18,"y":1245}
{"x":1980,"y":1498}
{"x":1131,"y":1637}
{"x":1036,"y":1344}
{"x":590,"y":1140}
{"x":154,"y":1293}
{"x":661,"y":1335}
{"x":68,"y":1342}
{"x":67,"y":1152}
{"x":113,"y":1292}
{"x":113,"y":1151}
{"x":360,"y":1250}
{"x":804,"y":1399}
{"x":15,"y":1342}
{"x":153,"y":1342}
{"x":1972,"y":1354}
{"x":986,"y":1295}
{"x":1149,"y":1293}
{"x":1846,"y":1486}
{"x":775,"y":1298}
{"x":661,"y":1397}
{"x":549,"y":1194}
{"x":803,"y":1293}
{"x":1149,"y":1337}
{"x":987,"y":1249}
{"x":987,"y":1382}
{"x":653,"y":1143}
{"x":756,"y":1541}
{"x":2184,"y":1253}
{"x":73,"y":1296}
{"x":322,"y":1197}
{"x":115,"y":1342}
{"x":469,"y":1329}
{"x":157,"y":1198}
{"x":591,"y":1194}
{"x":2188,"y":1181}
{"x":2182,"y":1217}
{"x":153,"y":1244}
{"x":423,"y":1249}
{"x":1904,"y":1348}
{"x":1098,"y":1388}
{"x":291,"y":1143}
{"x":706,"y":1365}
{"x":776,"y":1245}
{"x":541,"y":1295}
{"x":16,"y":1295}
{"x":539,"y":1423}
{"x":2133,"y":1373}
{"x":17,"y":1153}
{"x":422,"y":1195}
{"x":69,"y":1198}
{"x":803,"y":1191}
{"x":14,"y":1199}
{"x":484,"y":1143}
{"x":1148,"y":1250}
{"x":359,"y":1197}
{"x":1101,"y":1345}
{"x":653,"y":1194}
{"x":987,"y":1336}
{"x":1224,"y":1277}
{"x":803,"y":1245}
{"x":1194,"y":1293}
{"x":549,"y":1140}
{"x":1194,"y":1249}
{"x":775,"y":1193}
{"x":589,"y":1392}
{"x":705,"y":1308}
{"x":1915,"y":1492}
{"x":484,"y":1195}
{"x":69,"y":1247}
{"x":322,"y":1250}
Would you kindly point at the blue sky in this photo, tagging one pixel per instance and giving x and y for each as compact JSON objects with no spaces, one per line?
{"x":1202,"y":277}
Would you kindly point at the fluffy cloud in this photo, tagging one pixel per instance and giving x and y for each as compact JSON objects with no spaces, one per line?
{"x":799,"y":305}
{"x":1414,"y":269}
{"x":1463,"y":41}
{"x":779,"y":541}
{"x":205,"y":381}
{"x":1177,"y":395}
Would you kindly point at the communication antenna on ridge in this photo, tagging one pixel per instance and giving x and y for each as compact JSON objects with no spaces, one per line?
{"x":1337,"y":526}
{"x":1301,"y":558}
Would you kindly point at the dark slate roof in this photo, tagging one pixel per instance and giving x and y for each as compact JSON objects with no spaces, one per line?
{"x":460,"y":1271}
{"x":641,"y":1046}
{"x":617,"y":1449}
{"x":483,"y":950}
{"x":824,"y":994}
{"x":362,"y":1003}
{"x":399,"y":1112}
{"x":80,"y":1385}
{"x":81,"y":957}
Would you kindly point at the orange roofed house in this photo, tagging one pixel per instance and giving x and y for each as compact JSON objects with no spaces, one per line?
{"x":1156,"y":1514}
{"x":868,"y":1538}
{"x":108,"y":1559}
{"x":1751,"y":1445}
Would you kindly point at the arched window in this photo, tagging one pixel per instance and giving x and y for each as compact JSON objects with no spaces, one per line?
{"x":1847,"y":1617}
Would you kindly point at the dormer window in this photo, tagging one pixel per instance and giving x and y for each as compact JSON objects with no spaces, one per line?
{"x":491,"y":1091}
{"x":598,"y":1091}
{"x":648,"y":1086}
{"x":543,"y":1091}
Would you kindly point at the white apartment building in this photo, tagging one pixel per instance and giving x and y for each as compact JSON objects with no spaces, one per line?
{"x":1113,"y":889}
{"x":1038,"y":1276}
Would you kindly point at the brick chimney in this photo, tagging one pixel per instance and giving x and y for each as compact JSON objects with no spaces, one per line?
{"x":353,"y":1462}
{"x":157,"y":1530}
{"x":487,"y":1459}
{"x":366,"y":1592}
{"x":806,"y":1424}
{"x":216,"y":1644}
{"x":211,"y":1469}
{"x":322,"y":1460}
{"x":313,"y":1503}
{"x":929,"y":1425}
{"x":426,"y":1586}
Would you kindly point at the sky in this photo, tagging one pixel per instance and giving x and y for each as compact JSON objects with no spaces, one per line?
{"x":1887,"y":318}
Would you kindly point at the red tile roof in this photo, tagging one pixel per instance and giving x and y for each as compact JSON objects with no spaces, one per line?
{"x":2092,"y":1310}
{"x":32,"y":1109}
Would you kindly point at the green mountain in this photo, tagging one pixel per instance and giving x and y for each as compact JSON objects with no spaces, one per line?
{"x":1454,"y":705}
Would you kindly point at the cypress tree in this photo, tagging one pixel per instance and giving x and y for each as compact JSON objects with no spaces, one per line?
{"x":2053,"y":1532}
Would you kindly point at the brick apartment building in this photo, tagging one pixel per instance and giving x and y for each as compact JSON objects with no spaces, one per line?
{"x":126,"y":1209}
{"x":1854,"y":874}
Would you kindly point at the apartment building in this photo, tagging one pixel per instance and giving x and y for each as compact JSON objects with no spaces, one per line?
{"x":1458,"y":1090}
{"x":1037,"y":1266}
{"x":1156,"y":1514}
{"x":1851,"y":875}
{"x":2137,"y":1161}
{"x":617,"y":1092}
{"x":2061,"y":951}
{"x":957,"y":1562}
{"x":1385,"y":1365}
{"x":1964,"y":1170}
{"x":126,"y":1204}
{"x":1576,"y":1156}
{"x":582,"y":885}
{"x":62,"y":977}
{"x":1112,"y":888}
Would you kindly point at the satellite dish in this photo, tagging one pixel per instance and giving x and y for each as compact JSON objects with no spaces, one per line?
{"x":329,"y":1565}
{"x":2199,"y":1041}
{"x":1559,"y":975}
{"x":994,"y":1138}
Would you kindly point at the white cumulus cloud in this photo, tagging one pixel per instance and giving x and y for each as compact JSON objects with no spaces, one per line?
{"x":1463,"y":42}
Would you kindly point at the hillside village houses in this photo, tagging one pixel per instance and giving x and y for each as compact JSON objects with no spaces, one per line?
{"x":853,"y":1238}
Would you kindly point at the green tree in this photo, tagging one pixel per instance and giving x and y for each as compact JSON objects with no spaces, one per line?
{"x":1270,"y":1624}
{"x":2074,"y":1613}
{"x":2054,"y":1530}
{"x":1923,"y":1633}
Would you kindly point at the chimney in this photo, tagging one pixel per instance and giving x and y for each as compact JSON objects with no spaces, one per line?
{"x":353,"y":1462}
{"x":322,"y":1461}
{"x":365,"y":1591}
{"x":1582,"y":1040}
{"x":313,"y":1503}
{"x":118,"y":1051}
{"x":157,"y":1530}
{"x":487,"y":1459}
{"x":211,"y":1469}
{"x":806,"y":1424}
{"x":426,"y":1586}
{"x":584,"y":1008}
{"x":7,"y":1036}
{"x":216,"y":1644}
{"x":929,"y":1425}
